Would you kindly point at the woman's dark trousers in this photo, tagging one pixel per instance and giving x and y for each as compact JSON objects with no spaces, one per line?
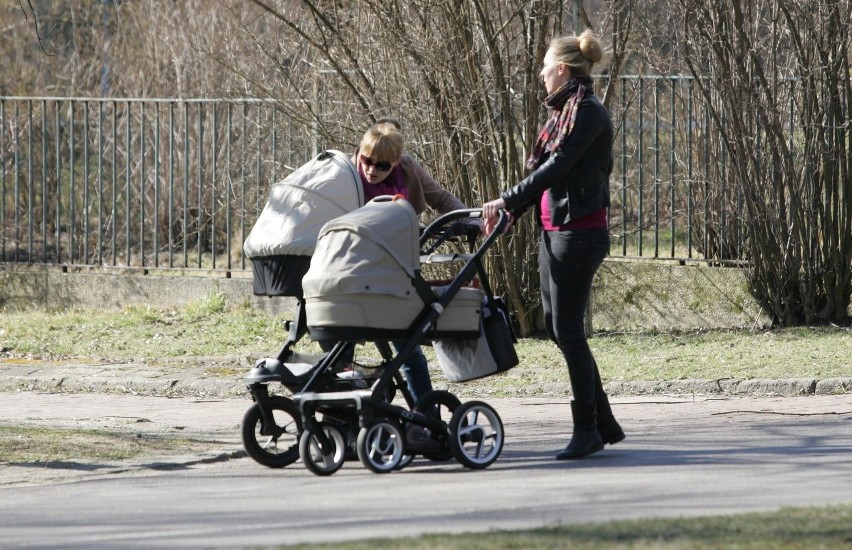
{"x":568,"y":261}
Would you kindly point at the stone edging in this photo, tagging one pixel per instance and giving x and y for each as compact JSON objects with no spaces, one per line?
{"x":229,"y":388}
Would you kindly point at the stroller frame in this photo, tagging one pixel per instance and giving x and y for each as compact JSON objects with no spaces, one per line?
{"x":474,"y":433}
{"x":354,"y":415}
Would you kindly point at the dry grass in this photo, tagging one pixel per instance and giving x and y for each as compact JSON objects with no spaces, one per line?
{"x":786,"y":529}
{"x":43,"y":445}
{"x":211,"y":329}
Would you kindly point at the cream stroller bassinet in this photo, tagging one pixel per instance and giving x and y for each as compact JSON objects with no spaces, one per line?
{"x":364,"y":280}
{"x":280,"y":246}
{"x":282,"y":241}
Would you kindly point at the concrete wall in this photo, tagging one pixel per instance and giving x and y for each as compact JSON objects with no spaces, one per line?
{"x":52,"y":289}
{"x":628,"y":296}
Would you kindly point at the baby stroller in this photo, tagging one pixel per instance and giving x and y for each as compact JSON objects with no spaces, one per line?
{"x":364,"y":284}
{"x":280,"y":247}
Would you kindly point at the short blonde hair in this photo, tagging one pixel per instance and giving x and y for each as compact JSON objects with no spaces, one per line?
{"x":382,"y":142}
{"x":580,"y":53}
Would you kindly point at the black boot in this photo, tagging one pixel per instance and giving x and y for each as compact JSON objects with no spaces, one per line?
{"x":585,"y":440}
{"x":609,"y":429}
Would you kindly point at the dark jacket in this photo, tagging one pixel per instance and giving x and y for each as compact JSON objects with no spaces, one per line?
{"x":576,"y":176}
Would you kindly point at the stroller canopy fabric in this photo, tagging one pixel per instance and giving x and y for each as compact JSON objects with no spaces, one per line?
{"x":320,"y":190}
{"x":372,"y":250}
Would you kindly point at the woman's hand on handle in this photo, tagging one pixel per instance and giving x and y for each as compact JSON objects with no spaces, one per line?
{"x":491,"y":214}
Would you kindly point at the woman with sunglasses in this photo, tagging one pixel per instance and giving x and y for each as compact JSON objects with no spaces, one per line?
{"x":569,"y":188}
{"x":386,"y":170}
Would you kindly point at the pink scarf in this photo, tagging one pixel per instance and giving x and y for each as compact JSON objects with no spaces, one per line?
{"x":394,"y":184}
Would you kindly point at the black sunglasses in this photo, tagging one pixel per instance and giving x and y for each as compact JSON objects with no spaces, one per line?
{"x":384,"y":166}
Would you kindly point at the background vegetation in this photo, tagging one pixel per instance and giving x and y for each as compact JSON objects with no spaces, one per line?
{"x":773,"y":78}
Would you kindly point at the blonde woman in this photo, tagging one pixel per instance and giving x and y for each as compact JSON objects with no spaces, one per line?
{"x":568,"y":186}
{"x":385,"y":170}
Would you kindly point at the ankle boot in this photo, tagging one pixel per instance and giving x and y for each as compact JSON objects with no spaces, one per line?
{"x":610,"y":431}
{"x":585,"y":440}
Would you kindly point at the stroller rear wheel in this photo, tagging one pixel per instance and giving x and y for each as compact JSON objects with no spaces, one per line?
{"x":275,"y":445}
{"x":319,"y":460}
{"x":476,"y":435}
{"x":380,"y":446}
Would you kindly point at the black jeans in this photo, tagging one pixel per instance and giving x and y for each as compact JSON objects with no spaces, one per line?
{"x":568,"y":261}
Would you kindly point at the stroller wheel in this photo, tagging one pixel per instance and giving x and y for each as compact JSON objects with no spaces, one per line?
{"x":476,"y":435}
{"x":275,"y":445}
{"x":404,"y":461}
{"x":438,"y":404}
{"x":380,"y":446}
{"x":319,"y":460}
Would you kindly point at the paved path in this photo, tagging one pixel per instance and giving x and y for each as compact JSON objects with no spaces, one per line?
{"x":683,"y":457}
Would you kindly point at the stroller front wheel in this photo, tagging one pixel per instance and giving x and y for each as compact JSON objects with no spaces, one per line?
{"x":380,"y":446}
{"x":318,"y":459}
{"x":274,"y":444}
{"x":476,"y":435}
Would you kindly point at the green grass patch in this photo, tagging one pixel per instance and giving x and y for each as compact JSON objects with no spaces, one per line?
{"x":813,"y":352}
{"x":212,"y":328}
{"x":141,"y":332}
{"x":787,"y":529}
{"x":207,"y":307}
{"x":44,"y":445}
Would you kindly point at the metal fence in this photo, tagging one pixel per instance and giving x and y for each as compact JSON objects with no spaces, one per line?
{"x":177,"y":184}
{"x":672,"y":198}
{"x":138,"y":183}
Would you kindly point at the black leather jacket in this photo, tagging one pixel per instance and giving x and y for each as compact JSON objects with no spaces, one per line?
{"x":576,"y":176}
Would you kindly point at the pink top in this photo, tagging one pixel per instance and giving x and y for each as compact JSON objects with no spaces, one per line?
{"x":595,"y":220}
{"x":394,"y":184}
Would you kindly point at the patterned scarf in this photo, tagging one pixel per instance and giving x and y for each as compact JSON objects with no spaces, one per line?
{"x":563,"y":112}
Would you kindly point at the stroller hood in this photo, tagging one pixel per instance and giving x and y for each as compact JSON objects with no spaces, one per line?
{"x":372,"y":250}
{"x":322,"y":189}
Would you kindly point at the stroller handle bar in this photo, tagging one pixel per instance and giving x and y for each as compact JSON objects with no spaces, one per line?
{"x":465,"y":228}
{"x":473,"y":264}
{"x":441,"y":221}
{"x":441,"y":231}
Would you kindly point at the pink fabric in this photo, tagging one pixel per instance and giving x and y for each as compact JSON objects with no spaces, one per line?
{"x":595,"y":220}
{"x":394,"y":184}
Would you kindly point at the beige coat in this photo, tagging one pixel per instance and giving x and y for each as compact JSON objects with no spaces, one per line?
{"x":423,"y":190}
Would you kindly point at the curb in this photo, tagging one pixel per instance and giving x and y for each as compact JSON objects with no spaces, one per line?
{"x":735,"y":387}
{"x":200,"y":386}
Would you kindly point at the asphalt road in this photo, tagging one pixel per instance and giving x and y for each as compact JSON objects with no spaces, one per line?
{"x":682,"y":457}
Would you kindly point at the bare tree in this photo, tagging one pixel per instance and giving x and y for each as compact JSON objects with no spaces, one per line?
{"x":775,"y":75}
{"x":462,"y":75}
